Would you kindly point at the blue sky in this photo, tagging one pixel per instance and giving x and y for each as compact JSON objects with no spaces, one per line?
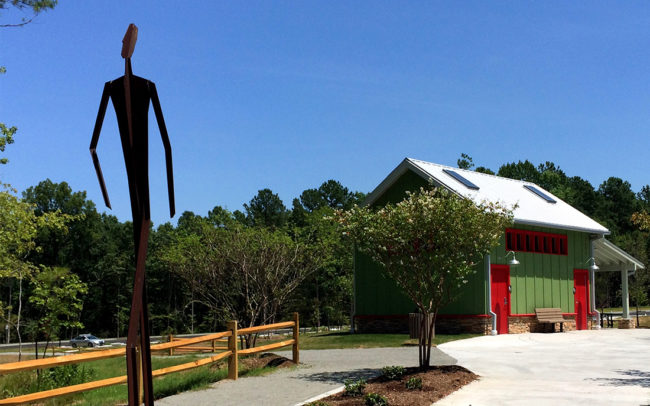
{"x":286,"y":95}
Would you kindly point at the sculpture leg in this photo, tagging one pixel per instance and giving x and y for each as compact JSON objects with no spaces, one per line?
{"x":132,"y":372}
{"x":145,"y":349}
{"x":138,"y":336}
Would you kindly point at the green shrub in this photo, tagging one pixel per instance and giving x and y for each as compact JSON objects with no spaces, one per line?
{"x":414,"y":383}
{"x":375,"y":399}
{"x":393,"y":372}
{"x":354,"y":388}
{"x":17,"y":384}
{"x":65,"y":375}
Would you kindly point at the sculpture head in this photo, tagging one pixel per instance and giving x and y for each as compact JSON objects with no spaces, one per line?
{"x":128,"y":43}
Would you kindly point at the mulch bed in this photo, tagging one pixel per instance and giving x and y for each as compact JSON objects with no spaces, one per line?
{"x":437,"y":382}
{"x":266,"y":360}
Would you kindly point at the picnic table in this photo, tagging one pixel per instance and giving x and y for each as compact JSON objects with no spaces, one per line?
{"x":610,"y":319}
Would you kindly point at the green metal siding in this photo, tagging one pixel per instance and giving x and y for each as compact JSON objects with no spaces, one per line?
{"x":375,"y":293}
{"x":409,"y":181}
{"x":541,"y":280}
{"x":545,"y":280}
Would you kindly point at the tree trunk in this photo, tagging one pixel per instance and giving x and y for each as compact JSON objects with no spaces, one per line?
{"x":20,"y":307}
{"x":425,"y":338}
{"x":9,"y":318}
{"x":117,"y":314}
{"x":192,"y":325}
{"x":318,"y":307}
{"x":47,"y":343}
{"x":430,"y":335}
{"x":422,"y":342}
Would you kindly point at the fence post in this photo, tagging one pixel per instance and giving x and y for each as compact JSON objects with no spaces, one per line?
{"x":232,"y":346}
{"x":296,"y":337}
{"x":213,"y":341}
{"x":171,"y":340}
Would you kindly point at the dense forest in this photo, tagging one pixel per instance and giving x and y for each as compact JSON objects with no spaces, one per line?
{"x":256,"y":265}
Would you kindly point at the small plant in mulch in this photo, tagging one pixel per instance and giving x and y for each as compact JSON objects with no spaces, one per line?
{"x":354,"y":388}
{"x":392,"y":373}
{"x":414,"y":383}
{"x":415,"y":388}
{"x":318,"y":403}
{"x":375,"y":399}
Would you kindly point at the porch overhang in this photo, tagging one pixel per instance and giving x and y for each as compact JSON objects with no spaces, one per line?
{"x":609,"y":257}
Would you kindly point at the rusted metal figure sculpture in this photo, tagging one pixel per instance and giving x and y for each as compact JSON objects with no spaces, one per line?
{"x":131,"y":96}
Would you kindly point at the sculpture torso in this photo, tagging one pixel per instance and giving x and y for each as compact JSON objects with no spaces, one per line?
{"x":135,"y":151}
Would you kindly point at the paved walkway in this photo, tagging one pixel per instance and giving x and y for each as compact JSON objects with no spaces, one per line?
{"x":597,"y":367}
{"x":320,"y":371}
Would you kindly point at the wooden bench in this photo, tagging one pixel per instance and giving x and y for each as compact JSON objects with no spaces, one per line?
{"x":550,"y":315}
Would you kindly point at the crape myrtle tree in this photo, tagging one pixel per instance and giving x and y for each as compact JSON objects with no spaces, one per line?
{"x":242,"y":273}
{"x":429,"y":244}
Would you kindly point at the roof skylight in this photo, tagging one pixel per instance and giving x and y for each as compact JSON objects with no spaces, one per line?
{"x":541,"y":194}
{"x":460,"y":179}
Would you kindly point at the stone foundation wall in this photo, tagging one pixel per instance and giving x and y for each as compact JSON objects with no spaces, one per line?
{"x":529,"y":324}
{"x":474,"y":325}
{"x":627,"y":323}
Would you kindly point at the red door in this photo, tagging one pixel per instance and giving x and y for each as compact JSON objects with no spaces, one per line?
{"x":501,"y":295}
{"x":581,"y":297}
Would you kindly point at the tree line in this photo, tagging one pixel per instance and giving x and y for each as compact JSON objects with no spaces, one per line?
{"x":255,"y":265}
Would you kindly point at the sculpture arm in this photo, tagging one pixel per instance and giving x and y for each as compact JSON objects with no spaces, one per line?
{"x":168,"y":148}
{"x":93,"y":143}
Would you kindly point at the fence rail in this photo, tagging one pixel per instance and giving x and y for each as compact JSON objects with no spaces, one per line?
{"x":231,"y":352}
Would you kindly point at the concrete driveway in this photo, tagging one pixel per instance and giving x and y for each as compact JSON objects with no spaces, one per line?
{"x":591,"y":367}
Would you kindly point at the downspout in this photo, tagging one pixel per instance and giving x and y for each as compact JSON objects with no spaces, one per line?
{"x":489,"y":295}
{"x":592,"y":290}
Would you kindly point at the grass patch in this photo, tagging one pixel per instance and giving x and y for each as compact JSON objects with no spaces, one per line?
{"x":194,"y":379}
{"x":620,"y":309}
{"x":323,"y":341}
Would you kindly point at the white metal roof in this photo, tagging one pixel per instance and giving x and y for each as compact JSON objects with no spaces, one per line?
{"x":531,"y":210}
{"x":609,"y":257}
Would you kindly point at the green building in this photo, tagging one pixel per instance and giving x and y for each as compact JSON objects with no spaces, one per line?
{"x":547,"y":259}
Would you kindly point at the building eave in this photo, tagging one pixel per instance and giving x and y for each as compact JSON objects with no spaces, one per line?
{"x":599,"y":232}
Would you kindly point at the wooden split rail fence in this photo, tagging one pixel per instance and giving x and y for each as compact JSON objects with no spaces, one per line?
{"x":231,"y":351}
